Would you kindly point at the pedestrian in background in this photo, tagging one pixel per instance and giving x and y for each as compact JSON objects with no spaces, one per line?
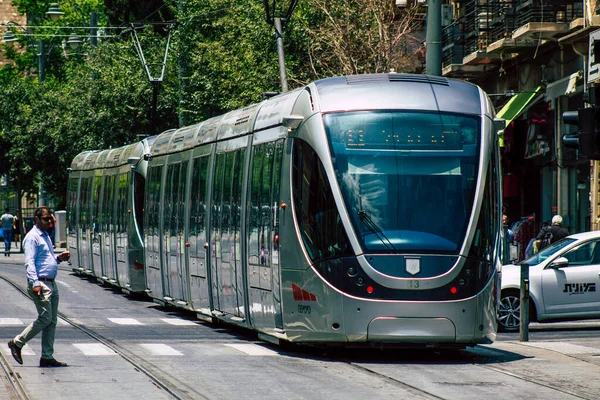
{"x":551,"y":234}
{"x":42,"y":265}
{"x":17,"y":229}
{"x":524,"y":237}
{"x":51,"y":228}
{"x":7,"y":225}
{"x":508,"y":240}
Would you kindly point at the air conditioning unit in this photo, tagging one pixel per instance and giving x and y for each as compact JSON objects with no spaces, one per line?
{"x":447,"y":14}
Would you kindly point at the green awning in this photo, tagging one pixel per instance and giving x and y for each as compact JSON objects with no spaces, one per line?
{"x":515,"y":107}
{"x":517,"y":104}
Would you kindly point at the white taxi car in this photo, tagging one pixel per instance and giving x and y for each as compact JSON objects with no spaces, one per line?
{"x":564,"y":282}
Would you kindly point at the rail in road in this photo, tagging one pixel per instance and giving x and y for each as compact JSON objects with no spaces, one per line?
{"x":227,"y":364}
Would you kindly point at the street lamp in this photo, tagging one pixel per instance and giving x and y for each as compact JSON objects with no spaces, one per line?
{"x":55,"y":12}
{"x":274,"y":18}
{"x":10,"y":37}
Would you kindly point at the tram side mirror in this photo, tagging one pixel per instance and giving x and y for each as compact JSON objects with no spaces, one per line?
{"x":292,"y":122}
{"x":499,"y":124}
{"x":147,"y":157}
{"x":133,"y":160}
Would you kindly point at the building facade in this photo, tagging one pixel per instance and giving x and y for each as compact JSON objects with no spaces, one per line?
{"x":9,"y":13}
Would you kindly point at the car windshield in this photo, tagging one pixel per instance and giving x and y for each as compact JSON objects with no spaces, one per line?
{"x":547,"y":252}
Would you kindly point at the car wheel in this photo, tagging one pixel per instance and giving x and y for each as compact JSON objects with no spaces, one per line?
{"x":509,"y":312}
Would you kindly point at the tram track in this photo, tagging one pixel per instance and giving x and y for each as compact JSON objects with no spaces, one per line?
{"x":179,"y":391}
{"x":14,"y":380}
{"x":417,"y":391}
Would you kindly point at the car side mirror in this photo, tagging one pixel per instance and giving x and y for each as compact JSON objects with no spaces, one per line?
{"x":559,"y":263}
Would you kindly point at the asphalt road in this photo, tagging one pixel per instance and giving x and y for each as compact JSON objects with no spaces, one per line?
{"x":119,"y":347}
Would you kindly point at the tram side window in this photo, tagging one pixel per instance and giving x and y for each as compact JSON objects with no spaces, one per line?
{"x":226,"y":200}
{"x":152,"y":204}
{"x":96,"y":204}
{"x":236,"y":200}
{"x":72,"y":203}
{"x":322,"y":231}
{"x":138,"y":200}
{"x":260,"y":198}
{"x":484,"y":240}
{"x":199,"y":196}
{"x":84,"y":199}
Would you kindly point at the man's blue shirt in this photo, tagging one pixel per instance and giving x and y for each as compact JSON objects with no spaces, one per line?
{"x":40,"y":260}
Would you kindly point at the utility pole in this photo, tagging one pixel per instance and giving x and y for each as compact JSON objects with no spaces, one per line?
{"x":42,"y":61}
{"x":277,"y":22}
{"x":433,"y":40}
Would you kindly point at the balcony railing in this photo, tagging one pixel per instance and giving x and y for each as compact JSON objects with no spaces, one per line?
{"x":546,"y":11}
{"x":483,"y":24}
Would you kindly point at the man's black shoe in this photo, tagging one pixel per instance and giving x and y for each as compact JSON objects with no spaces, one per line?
{"x":15,"y":351}
{"x":44,"y":363}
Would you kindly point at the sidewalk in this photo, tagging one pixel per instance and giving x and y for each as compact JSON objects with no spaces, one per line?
{"x":16,"y":254}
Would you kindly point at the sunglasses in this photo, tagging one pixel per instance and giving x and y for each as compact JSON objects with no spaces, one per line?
{"x":46,"y":218}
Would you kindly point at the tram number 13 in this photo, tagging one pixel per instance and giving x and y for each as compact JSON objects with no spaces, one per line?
{"x":302,"y":309}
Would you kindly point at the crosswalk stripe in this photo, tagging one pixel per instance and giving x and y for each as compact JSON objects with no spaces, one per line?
{"x":26,"y":351}
{"x":252,"y":349}
{"x":94,"y":349}
{"x":10,"y":321}
{"x":160,"y":349}
{"x":125,"y":321}
{"x":178,"y":322}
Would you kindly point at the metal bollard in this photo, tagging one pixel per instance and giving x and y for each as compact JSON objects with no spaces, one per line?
{"x":524,"y":322}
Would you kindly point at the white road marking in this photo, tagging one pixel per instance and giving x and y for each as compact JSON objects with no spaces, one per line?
{"x":125,"y":321}
{"x":25,"y":351}
{"x":178,"y":322}
{"x":10,"y":321}
{"x":159,"y":349}
{"x":94,"y":349}
{"x":252,"y":349}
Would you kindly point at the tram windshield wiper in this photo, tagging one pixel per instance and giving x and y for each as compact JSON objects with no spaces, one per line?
{"x":373,"y":227}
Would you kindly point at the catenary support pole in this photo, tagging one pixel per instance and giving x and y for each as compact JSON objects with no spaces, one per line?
{"x":433,"y":40}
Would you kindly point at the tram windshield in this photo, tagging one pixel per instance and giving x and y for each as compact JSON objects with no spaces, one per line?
{"x":407,"y":177}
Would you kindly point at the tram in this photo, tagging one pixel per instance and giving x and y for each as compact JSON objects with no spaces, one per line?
{"x":357,"y":210}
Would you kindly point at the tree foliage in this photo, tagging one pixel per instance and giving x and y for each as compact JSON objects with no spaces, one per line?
{"x":221,"y":56}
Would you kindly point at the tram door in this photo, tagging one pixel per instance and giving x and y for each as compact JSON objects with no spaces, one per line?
{"x":226,"y":266}
{"x":73,"y":217}
{"x":152,"y":231}
{"x":263,"y":246}
{"x":108,"y":229}
{"x":95,"y":224}
{"x":174,"y":273}
{"x":122,"y":219}
{"x":197,"y":235}
{"x":84,"y":228}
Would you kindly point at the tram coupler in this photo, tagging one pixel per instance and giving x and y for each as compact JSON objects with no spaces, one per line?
{"x":524,"y":304}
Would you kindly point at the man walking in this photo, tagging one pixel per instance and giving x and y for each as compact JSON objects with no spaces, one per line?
{"x":7,"y":224}
{"x":41,"y":264}
{"x":551,"y":234}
